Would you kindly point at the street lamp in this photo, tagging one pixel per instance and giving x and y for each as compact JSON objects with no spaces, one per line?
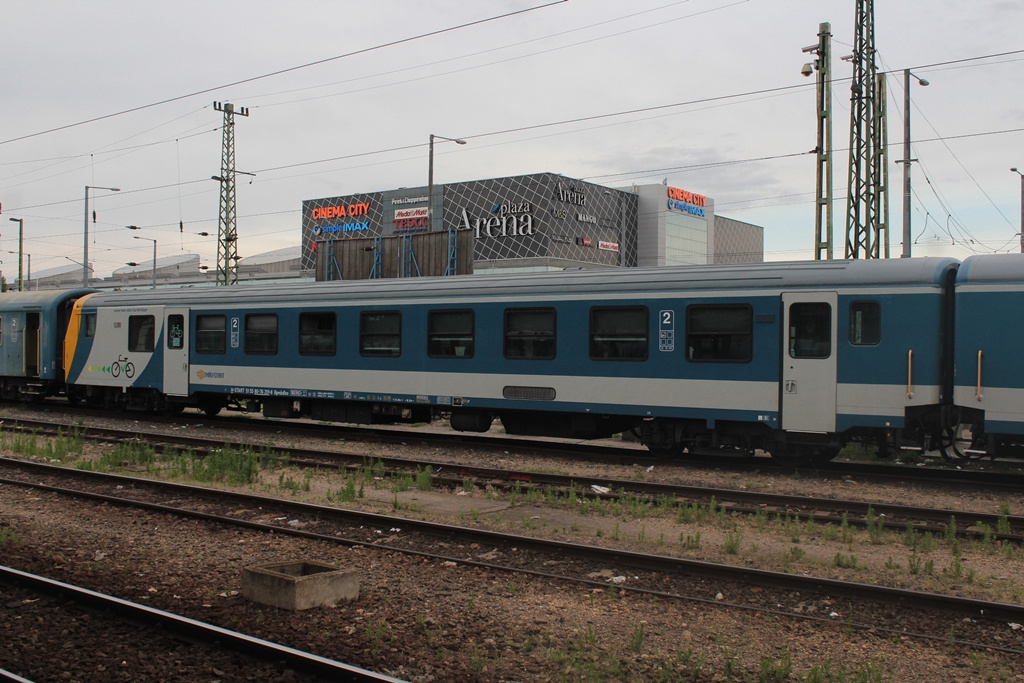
{"x":430,"y":177}
{"x":906,"y":159}
{"x":28,"y":277}
{"x":85,"y":243}
{"x":154,"y":253}
{"x":1021,"y":208}
{"x":21,"y":247}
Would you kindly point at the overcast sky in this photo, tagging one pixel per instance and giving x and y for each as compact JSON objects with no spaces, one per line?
{"x":719,"y":108}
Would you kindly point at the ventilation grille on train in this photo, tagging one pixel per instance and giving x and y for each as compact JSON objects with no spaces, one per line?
{"x":529,"y":393}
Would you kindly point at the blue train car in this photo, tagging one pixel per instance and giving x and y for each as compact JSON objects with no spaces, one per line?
{"x":32,"y":331}
{"x":989,"y":386}
{"x":793,"y":358}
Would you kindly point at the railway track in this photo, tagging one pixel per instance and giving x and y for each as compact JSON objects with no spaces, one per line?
{"x":823,"y":510}
{"x":1008,"y":475}
{"x":880,"y":608}
{"x":136,"y":625}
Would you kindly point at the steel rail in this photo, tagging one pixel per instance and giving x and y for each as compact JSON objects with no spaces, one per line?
{"x":635,"y":560}
{"x":257,"y":647}
{"x":890,"y":515}
{"x":881,"y":470}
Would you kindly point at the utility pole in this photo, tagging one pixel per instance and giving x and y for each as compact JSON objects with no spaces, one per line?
{"x":880,"y":159}
{"x":823,"y":177}
{"x":865,"y":220}
{"x":227,"y":225}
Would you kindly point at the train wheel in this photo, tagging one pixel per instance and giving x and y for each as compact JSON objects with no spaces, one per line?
{"x":211,"y":409}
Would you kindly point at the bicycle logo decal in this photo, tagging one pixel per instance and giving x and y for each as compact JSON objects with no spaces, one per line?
{"x":116,"y":367}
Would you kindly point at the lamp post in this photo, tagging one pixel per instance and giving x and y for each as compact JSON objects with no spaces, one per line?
{"x":430,"y":177}
{"x":85,"y":243}
{"x":907,"y":160}
{"x":28,"y":277}
{"x":1021,"y":208}
{"x":154,"y":255}
{"x":21,"y":247}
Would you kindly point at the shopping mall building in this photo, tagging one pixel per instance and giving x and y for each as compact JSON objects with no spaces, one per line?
{"x":536,"y":222}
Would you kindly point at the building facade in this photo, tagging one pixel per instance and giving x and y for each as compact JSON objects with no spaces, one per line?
{"x":535,"y":222}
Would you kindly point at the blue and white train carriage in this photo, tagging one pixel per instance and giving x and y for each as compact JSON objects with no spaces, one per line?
{"x":989,"y":337}
{"x":32,"y":330}
{"x":792,"y":358}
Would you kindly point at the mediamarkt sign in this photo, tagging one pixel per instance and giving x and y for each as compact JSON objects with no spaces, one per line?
{"x":512,"y":219}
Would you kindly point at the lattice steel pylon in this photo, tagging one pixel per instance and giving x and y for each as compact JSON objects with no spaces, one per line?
{"x":867,"y":207}
{"x":227,"y":225}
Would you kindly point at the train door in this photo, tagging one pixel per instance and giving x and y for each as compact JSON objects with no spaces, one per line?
{"x":31,"y":337}
{"x":176,"y":351}
{"x":809,"y":361}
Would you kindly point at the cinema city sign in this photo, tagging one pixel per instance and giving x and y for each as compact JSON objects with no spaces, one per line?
{"x":511,"y":219}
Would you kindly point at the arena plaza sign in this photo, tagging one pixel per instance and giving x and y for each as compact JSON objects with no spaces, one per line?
{"x":511,"y":219}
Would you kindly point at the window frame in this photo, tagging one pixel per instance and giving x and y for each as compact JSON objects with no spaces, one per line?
{"x":369,"y":351}
{"x":136,"y":332}
{"x":435,"y":338}
{"x":614,"y":340}
{"x":312,"y":349}
{"x":170,"y":319}
{"x":251,"y":336}
{"x":691,"y":347}
{"x":536,"y":337}
{"x":861,"y":327}
{"x":813,"y":350}
{"x":89,"y":325}
{"x":203,"y":334}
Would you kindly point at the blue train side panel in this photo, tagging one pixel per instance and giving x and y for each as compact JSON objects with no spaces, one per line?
{"x":989,"y":384}
{"x":702,"y":356}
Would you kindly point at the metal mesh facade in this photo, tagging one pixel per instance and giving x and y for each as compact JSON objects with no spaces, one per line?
{"x":532,"y":222}
{"x":738,"y":242}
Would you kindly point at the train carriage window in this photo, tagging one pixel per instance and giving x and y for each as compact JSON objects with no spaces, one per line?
{"x":450,"y":334}
{"x":211,"y":334}
{"x":141,"y":333}
{"x":719,"y":333}
{"x":530,"y":333}
{"x":88,"y":324}
{"x":618,"y":333}
{"x":261,"y":334}
{"x":865,"y":323}
{"x":380,"y":333}
{"x":810,"y":330}
{"x":317,"y":334}
{"x":175,"y":331}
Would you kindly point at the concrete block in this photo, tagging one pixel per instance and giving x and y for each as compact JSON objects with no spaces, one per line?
{"x":299,"y":584}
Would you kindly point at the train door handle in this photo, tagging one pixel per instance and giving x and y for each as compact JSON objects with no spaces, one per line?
{"x":790,"y":386}
{"x":977,"y":392}
{"x":910,"y":373}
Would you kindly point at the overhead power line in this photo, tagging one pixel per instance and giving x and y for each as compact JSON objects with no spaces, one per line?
{"x":318,"y":62}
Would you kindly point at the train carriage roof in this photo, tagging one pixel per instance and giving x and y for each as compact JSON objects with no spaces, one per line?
{"x":991,"y":269}
{"x":774,"y":276}
{"x":38,"y":301}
